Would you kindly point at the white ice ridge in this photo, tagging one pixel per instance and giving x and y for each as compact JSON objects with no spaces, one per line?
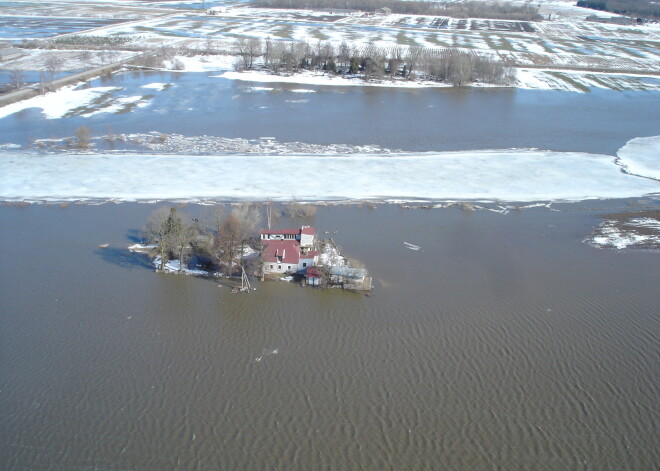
{"x":505,"y":175}
{"x":641,"y":156}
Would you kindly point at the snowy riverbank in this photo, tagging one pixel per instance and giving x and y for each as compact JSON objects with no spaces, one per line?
{"x":489,"y":175}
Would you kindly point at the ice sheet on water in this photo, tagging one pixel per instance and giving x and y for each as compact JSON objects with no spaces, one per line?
{"x":57,"y":104}
{"x":507,"y":175}
{"x":641,"y":156}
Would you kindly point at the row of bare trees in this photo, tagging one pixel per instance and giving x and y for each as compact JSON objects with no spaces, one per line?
{"x":55,"y":63}
{"x":457,"y":9}
{"x":450,"y":65}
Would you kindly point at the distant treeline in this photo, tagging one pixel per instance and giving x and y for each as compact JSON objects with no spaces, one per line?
{"x":492,"y":10}
{"x":635,"y":8}
{"x":466,"y":9}
{"x":449,"y":65}
{"x":94,"y":40}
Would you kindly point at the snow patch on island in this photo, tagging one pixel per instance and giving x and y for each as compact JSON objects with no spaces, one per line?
{"x":174,"y":266}
{"x":59,"y":103}
{"x":640,"y":232}
{"x":316,"y":78}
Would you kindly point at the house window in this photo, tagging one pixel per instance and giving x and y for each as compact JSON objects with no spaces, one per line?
{"x":304,"y":264}
{"x":289,"y":267}
{"x":279,"y":267}
{"x":271,"y":267}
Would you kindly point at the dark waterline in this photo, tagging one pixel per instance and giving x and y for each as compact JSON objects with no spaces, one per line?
{"x":505,"y":343}
{"x":415,"y":120}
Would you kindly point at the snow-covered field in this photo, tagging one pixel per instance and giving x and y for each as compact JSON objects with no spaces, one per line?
{"x":507,"y":175}
{"x":562,"y":53}
{"x":587,"y":54}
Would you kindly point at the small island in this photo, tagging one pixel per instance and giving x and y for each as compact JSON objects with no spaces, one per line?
{"x":231,"y":247}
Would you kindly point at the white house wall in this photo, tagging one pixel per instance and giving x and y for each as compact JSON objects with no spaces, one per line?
{"x":306,"y":240}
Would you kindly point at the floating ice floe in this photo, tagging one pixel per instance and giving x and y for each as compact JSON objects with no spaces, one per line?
{"x":493,"y":175}
{"x":641,"y":156}
{"x":157,"y":86}
{"x":59,"y":103}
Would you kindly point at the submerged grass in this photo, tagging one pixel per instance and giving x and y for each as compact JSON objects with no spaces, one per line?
{"x":572,"y":82}
{"x":404,"y":40}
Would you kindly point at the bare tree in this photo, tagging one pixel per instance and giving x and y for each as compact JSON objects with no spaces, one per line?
{"x":43,"y":82}
{"x":157,"y":230}
{"x":171,"y":235}
{"x":413,"y":58}
{"x":181,"y":239}
{"x":209,"y":45}
{"x":54,"y":64}
{"x":234,"y":232}
{"x":83,"y":137}
{"x":85,"y":57}
{"x":269,"y":212}
{"x":268,"y":52}
{"x":16,"y":79}
{"x":248,"y":49}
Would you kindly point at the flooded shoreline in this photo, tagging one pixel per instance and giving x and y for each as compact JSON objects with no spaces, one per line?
{"x":503,"y":341}
{"x":444,"y":119}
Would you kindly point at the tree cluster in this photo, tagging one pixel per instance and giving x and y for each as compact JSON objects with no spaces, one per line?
{"x":464,"y":9}
{"x":172,"y":236}
{"x":218,"y":241}
{"x":94,"y":40}
{"x":448,"y":65}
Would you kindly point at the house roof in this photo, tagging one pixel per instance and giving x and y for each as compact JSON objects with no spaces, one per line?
{"x":313,"y":272}
{"x":282,"y":231}
{"x":289,"y":250}
{"x":307,"y":230}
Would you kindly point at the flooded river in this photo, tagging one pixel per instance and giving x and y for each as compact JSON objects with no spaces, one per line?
{"x":504,"y":343}
{"x":409,"y":119}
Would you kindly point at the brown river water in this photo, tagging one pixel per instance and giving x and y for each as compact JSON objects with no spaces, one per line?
{"x":505,"y":343}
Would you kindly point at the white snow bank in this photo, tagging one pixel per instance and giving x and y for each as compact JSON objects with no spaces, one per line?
{"x":261,"y":89}
{"x":118,"y":105}
{"x":249,"y":252}
{"x":57,"y":104}
{"x":141,"y":247}
{"x":641,"y":156}
{"x":508,"y":175}
{"x":157,"y":86}
{"x":531,"y":79}
{"x":202,"y":63}
{"x":316,"y":78}
{"x":173,"y":266}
